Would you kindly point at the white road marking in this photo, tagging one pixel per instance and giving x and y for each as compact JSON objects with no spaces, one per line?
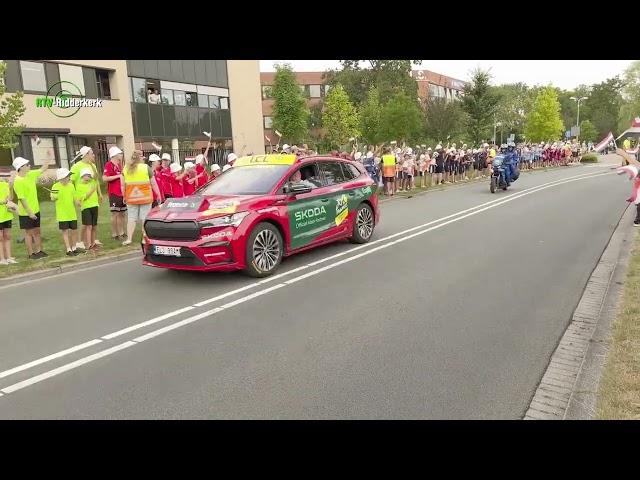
{"x":53,"y":356}
{"x":148,"y":322}
{"x":474,"y":211}
{"x":65,"y":368}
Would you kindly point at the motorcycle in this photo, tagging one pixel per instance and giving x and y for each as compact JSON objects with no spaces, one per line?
{"x":498,"y":179}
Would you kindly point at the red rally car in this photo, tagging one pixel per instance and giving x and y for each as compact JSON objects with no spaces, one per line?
{"x":264,"y":208}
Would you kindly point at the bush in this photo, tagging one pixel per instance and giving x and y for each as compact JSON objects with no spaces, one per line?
{"x":590,"y":158}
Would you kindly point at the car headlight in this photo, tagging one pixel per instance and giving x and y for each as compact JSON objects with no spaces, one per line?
{"x":226,"y":221}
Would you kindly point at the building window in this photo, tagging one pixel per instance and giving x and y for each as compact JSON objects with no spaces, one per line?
{"x":179,"y":98}
{"x":266,"y":91}
{"x":315,"y":91}
{"x":73,"y":75}
{"x":167,"y":96}
{"x":268,"y":122}
{"x":192,"y":99}
{"x":441,"y":92}
{"x":33,"y":77}
{"x":43,"y":151}
{"x":153,"y":92}
{"x":139,"y":87}
{"x":102,"y":81}
{"x":224,"y":103}
{"x":433,"y":90}
{"x":62,"y":152}
{"x":214,"y":102}
{"x":203,"y":100}
{"x":326,"y":89}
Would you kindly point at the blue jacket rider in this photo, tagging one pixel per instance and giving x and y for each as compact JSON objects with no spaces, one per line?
{"x":510,"y":161}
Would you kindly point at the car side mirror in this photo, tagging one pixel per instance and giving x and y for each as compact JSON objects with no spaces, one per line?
{"x":294,"y":188}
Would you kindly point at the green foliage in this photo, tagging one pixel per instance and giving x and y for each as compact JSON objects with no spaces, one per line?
{"x":290,"y":111}
{"x":604,"y":103}
{"x":544,"y":122}
{"x":515,"y":102}
{"x":401,"y":119}
{"x":630,"y":93}
{"x":588,"y":131}
{"x":339,"y":117}
{"x":370,"y":118}
{"x":589,"y":158}
{"x":444,"y":118}
{"x":11,"y":109}
{"x":480,"y":102}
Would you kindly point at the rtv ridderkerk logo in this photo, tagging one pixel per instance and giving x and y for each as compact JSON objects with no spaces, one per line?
{"x":67,"y":101}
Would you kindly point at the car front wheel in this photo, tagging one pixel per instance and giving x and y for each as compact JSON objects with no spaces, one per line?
{"x":264,"y":250}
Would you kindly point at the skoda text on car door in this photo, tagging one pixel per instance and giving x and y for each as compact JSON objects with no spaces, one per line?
{"x":265,"y":208}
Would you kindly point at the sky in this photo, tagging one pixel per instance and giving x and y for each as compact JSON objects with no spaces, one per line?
{"x":566,"y":74}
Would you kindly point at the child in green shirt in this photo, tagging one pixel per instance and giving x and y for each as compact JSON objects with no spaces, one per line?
{"x":87,"y":197}
{"x":7,"y":209}
{"x":63,"y":193}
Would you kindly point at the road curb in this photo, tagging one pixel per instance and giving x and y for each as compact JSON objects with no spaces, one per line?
{"x":569,"y":385}
{"x":58,"y":269}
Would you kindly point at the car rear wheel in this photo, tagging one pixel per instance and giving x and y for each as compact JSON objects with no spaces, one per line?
{"x":363,"y":224}
{"x":264,"y":250}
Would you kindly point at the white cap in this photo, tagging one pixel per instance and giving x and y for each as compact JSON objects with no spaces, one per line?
{"x":485,"y":145}
{"x":189,"y":165}
{"x":409,"y":150}
{"x":285,"y":146}
{"x":429,"y":149}
{"x":20,"y":162}
{"x":438,"y":147}
{"x":62,"y":173}
{"x":113,"y":151}
{"x":86,"y":171}
{"x":175,"y":167}
{"x":166,"y":156}
{"x":232,"y":157}
{"x":154,"y":158}
{"x":84,"y":150}
{"x":358,"y":155}
{"x":200,"y":158}
{"x":369,"y":154}
{"x":215,"y":167}
{"x":226,"y":167}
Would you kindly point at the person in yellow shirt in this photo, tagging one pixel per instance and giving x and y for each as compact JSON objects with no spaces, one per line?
{"x":87,"y":160}
{"x":63,"y":194}
{"x":87,"y":200}
{"x":24,"y":186}
{"x":626,"y":144}
{"x":7,"y":209}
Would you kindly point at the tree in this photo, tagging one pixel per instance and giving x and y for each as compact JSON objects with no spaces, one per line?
{"x":370,"y":116}
{"x":11,"y":109}
{"x":588,"y":131}
{"x":401,"y":119}
{"x":630,"y":93}
{"x":290,"y":111}
{"x":480,"y":102}
{"x":389,"y":76}
{"x":544,"y":122}
{"x":604,"y":103}
{"x":569,"y":107}
{"x":514,"y":103}
{"x":339,"y":117}
{"x":444,"y":118}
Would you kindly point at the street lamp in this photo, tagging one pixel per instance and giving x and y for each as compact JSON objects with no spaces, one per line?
{"x":496,"y":125}
{"x":578,"y":120}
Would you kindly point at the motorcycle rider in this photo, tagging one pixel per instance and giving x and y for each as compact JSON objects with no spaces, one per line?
{"x":510,"y":162}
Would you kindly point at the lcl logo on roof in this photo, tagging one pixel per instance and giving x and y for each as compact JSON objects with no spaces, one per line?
{"x":67,"y":101}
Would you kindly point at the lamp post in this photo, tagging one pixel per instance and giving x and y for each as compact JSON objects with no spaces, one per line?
{"x":495,"y":126}
{"x":578,"y":119}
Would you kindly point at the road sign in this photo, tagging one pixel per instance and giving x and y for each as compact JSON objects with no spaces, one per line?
{"x":575,"y":131}
{"x":567,"y":134}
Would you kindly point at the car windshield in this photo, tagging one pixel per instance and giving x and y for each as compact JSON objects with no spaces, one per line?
{"x":251,"y":180}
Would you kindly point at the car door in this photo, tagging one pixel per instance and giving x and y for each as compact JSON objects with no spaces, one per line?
{"x":309,"y":213}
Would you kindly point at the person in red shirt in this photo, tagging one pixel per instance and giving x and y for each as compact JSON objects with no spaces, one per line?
{"x":215,"y":171}
{"x":165,"y":176}
{"x":189,"y":179}
{"x":154,"y":163}
{"x":176,"y":180}
{"x":111,"y":175}
{"x":201,"y":171}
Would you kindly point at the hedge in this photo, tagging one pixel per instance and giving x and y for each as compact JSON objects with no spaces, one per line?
{"x":590,"y":158}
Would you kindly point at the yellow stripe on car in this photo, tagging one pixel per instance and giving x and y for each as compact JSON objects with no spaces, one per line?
{"x":270,"y":159}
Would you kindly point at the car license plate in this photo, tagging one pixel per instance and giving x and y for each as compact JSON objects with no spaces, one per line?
{"x":168,"y":251}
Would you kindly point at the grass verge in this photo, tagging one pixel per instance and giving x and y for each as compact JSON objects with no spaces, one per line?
{"x":619,"y":390}
{"x":54,"y":246}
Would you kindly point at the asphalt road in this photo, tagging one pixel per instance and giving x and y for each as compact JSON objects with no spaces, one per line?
{"x":457,"y":319}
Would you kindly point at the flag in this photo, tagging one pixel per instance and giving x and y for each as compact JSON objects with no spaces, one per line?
{"x":601,"y":146}
{"x":636,"y":122}
{"x":278,"y":133}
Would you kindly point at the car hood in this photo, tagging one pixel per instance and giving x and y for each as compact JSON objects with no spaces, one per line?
{"x":197,"y":207}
